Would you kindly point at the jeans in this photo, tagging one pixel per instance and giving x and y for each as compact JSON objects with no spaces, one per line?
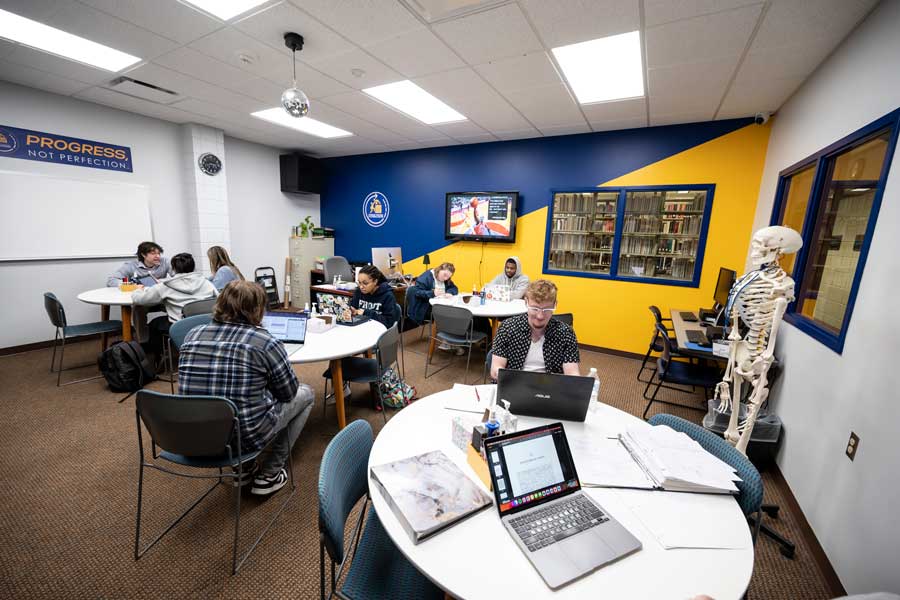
{"x":290,"y":424}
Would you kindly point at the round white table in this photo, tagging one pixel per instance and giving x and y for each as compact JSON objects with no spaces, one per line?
{"x":111,"y":296}
{"x":477,"y":558}
{"x":333,"y":345}
{"x":494,"y":310}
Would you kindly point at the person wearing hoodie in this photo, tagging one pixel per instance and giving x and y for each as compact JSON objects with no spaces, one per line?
{"x":512,"y":276}
{"x":174,"y":293}
{"x":433,"y":283}
{"x":373,"y":298}
{"x":149,"y":262}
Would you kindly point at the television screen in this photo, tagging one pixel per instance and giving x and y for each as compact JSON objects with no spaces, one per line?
{"x":481,"y":216}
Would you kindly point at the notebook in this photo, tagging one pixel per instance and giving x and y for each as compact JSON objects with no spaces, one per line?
{"x":545,"y":395}
{"x":289,"y":328}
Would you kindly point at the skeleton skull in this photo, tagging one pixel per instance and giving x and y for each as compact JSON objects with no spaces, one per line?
{"x":770,"y":243}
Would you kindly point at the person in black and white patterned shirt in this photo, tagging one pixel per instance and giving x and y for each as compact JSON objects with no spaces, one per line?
{"x":534,"y":341}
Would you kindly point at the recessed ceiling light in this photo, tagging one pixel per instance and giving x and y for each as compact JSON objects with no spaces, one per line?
{"x":409,"y":98}
{"x":604,"y":69}
{"x":306,"y":124}
{"x":66,"y":45}
{"x":225,"y":9}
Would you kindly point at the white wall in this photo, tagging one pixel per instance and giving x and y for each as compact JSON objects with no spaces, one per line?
{"x":822,"y":395}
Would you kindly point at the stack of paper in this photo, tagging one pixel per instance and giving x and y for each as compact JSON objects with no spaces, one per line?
{"x":471,"y":398}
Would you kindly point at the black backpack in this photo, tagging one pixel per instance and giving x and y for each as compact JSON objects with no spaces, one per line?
{"x":126,"y":367}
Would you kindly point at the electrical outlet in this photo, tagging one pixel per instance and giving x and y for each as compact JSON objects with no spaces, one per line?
{"x":852,"y":446}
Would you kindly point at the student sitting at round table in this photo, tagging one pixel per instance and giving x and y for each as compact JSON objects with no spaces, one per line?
{"x":433,"y":283}
{"x":535,"y":341}
{"x":373,"y":298}
{"x":512,"y":276}
{"x":149,"y":262}
{"x":223,"y":270}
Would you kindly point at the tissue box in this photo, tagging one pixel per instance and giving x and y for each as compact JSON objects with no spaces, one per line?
{"x":320,"y":323}
{"x":461,"y":430}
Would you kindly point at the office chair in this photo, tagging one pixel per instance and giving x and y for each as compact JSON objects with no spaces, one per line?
{"x":400,"y":321}
{"x":566,"y":318}
{"x":656,"y":343}
{"x":487,"y":366}
{"x":197,"y":307}
{"x":57,"y":315}
{"x":195,"y":432}
{"x":377,"y":569}
{"x":338,"y":265}
{"x":455,"y":328}
{"x":177,"y":332}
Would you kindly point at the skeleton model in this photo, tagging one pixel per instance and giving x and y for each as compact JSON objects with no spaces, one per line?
{"x":759,"y":298}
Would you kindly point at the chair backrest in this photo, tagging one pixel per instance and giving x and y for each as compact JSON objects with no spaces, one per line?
{"x":656,"y":314}
{"x":338,"y":265}
{"x":386,"y":347}
{"x":189,"y":425}
{"x":567,"y":318}
{"x":54,"y":309}
{"x":398,"y":317}
{"x":454,"y":320}
{"x":198,"y":307}
{"x":342,"y":482}
{"x":750,"y":486}
{"x":179,"y":329}
{"x":666,"y":356}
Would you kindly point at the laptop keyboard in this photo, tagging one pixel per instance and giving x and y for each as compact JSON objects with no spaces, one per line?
{"x":689,"y":316}
{"x":697,"y":337}
{"x":542,"y":527}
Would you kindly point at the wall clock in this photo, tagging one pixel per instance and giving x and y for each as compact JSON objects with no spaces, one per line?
{"x":209,"y":163}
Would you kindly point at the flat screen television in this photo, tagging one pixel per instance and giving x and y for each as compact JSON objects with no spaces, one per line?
{"x":481,"y":216}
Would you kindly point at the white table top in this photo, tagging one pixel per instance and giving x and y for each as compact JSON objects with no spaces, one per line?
{"x":491,"y":308}
{"x":110,"y":296}
{"x":477,"y":558}
{"x":337,"y":342}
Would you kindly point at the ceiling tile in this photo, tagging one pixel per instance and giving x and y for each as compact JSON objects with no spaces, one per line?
{"x":518,"y":134}
{"x":680,"y":118}
{"x":341,"y":67}
{"x":50,"y":63}
{"x":172,"y":20}
{"x":360,"y":105}
{"x":520,"y":72}
{"x":229,"y":45}
{"x":270,"y":25}
{"x":563,"y":23}
{"x":137,"y":105}
{"x":565,"y":130}
{"x":39,"y":79}
{"x":414,"y":53}
{"x":785,"y":62}
{"x":634,"y":123}
{"x":620,"y":110}
{"x":792,"y":23}
{"x":6,"y":48}
{"x":37,"y":10}
{"x":362,"y":21}
{"x":196,"y":64}
{"x":701,"y":38}
{"x":689,"y":87}
{"x":462,"y":130}
{"x":745,"y":100}
{"x":658,"y":12}
{"x":194,"y":88}
{"x":208,"y":110}
{"x":490,"y":35}
{"x":548,"y":106}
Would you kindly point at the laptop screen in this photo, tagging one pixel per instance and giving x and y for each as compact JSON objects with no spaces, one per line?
{"x":530,"y":467}
{"x":286,"y":327}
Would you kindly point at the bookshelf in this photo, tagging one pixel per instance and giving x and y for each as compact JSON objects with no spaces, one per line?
{"x":582,"y":231}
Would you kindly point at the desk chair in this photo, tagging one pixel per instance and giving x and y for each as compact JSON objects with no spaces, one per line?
{"x":338,"y":265}
{"x":656,"y":343}
{"x":57,"y":315}
{"x":200,"y":432}
{"x":487,"y":366}
{"x":567,"y":318}
{"x":177,"y":332}
{"x":377,"y":569}
{"x":669,"y":371}
{"x":199,"y":307}
{"x":455,"y":327}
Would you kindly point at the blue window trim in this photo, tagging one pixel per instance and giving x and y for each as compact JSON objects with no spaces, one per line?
{"x":613,"y":275}
{"x":820,"y":159}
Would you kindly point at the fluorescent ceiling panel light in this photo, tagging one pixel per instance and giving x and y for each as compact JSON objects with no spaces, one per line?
{"x":55,"y":41}
{"x":306,"y":125}
{"x":604,"y":69}
{"x":409,"y":98}
{"x":225,"y":9}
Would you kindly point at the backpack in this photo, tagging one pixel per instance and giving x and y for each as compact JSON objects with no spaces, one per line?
{"x":125,"y":367}
{"x":395,"y":392}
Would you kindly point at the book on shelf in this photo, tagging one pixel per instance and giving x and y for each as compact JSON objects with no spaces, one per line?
{"x":428,"y":493}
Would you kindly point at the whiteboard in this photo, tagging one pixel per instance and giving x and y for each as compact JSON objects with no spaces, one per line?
{"x":45,"y":217}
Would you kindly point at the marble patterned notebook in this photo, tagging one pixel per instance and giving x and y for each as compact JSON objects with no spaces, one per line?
{"x":428,"y":493}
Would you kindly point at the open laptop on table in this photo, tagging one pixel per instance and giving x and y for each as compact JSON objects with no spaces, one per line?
{"x":287,"y":327}
{"x":563,"y":532}
{"x":545,"y":395}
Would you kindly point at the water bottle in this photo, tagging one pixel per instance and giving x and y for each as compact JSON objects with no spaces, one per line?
{"x":595,"y":391}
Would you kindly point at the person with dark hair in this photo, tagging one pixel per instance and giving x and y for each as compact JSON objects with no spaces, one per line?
{"x":223,"y":270}
{"x":512,"y":276}
{"x":373,"y":298}
{"x":236,"y":358}
{"x":149,"y":262}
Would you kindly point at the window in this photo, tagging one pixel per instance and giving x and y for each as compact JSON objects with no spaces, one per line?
{"x":833,"y":198}
{"x":647,"y":234}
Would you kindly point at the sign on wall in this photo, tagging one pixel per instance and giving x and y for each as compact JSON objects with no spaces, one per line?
{"x":376,"y":209}
{"x":50,"y":147}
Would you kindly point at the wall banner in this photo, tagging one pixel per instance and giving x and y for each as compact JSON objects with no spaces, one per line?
{"x":50,"y":147}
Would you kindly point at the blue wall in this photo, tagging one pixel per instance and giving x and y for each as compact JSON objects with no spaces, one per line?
{"x":415,"y":181}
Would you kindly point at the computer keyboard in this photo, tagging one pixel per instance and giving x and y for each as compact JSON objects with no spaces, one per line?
{"x":688,"y":316}
{"x":697,"y":337}
{"x":546,"y":526}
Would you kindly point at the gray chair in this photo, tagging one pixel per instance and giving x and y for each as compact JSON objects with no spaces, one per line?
{"x":57,"y":315}
{"x":487,"y":366}
{"x":398,"y":315}
{"x":454,"y":327}
{"x":177,"y":333}
{"x":656,"y":341}
{"x":566,"y":318}
{"x":199,"y":307}
{"x":338,"y":265}
{"x":200,"y":432}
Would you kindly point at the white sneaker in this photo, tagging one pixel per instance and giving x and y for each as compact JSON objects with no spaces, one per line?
{"x":329,"y":399}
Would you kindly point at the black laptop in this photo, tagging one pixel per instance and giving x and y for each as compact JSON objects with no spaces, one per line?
{"x":545,"y":395}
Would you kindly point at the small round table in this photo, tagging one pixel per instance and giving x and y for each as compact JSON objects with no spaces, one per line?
{"x":333,"y":345}
{"x":494,"y":310}
{"x":477,"y":558}
{"x":111,"y":296}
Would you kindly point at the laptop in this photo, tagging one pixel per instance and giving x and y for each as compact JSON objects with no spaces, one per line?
{"x":289,"y":328}
{"x":563,"y":531}
{"x":545,"y":395}
{"x":353,"y":320}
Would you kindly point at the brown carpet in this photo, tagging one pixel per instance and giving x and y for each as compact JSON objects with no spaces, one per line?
{"x":69,"y":465}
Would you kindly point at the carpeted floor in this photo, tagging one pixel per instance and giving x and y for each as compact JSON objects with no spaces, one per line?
{"x":69,"y":473}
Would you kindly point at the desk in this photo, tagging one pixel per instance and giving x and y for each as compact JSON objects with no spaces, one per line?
{"x":333,"y":345}
{"x":111,"y":296}
{"x":477,"y":558}
{"x":685,"y":347}
{"x":491,"y":309}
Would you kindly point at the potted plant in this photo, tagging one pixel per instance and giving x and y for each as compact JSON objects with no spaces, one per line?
{"x":306,"y":227}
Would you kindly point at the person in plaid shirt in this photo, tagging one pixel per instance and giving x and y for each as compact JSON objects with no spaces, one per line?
{"x":236,"y":358}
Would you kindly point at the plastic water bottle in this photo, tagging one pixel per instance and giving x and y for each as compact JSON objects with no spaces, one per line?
{"x":595,"y":391}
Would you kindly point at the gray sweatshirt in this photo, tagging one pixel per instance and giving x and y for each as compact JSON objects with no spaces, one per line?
{"x":175,"y":292}
{"x":517,"y":283}
{"x":131,"y":267}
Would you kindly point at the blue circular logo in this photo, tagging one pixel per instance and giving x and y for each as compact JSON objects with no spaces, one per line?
{"x":7,"y":142}
{"x":376,"y":209}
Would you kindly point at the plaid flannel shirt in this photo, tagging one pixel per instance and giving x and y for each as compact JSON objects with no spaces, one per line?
{"x":244,"y":364}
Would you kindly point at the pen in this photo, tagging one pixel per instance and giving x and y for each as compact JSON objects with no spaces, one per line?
{"x":477,"y":397}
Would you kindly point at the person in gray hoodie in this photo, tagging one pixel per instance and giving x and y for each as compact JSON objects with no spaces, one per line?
{"x":149,"y":262}
{"x":512,"y":276}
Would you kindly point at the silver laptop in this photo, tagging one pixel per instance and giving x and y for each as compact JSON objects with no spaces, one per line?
{"x":545,"y":395}
{"x":562,"y":531}
{"x":289,"y":328}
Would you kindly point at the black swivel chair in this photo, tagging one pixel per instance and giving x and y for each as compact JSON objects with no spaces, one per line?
{"x":656,"y":343}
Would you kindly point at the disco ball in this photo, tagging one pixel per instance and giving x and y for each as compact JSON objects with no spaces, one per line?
{"x":295,"y":102}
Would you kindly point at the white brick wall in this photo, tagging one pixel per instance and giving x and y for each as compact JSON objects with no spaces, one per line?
{"x":206,"y":195}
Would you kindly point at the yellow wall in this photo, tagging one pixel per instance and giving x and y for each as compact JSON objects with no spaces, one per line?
{"x":613,"y":314}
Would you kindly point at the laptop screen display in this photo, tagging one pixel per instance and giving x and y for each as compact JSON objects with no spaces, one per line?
{"x":529,"y":467}
{"x":286,"y":327}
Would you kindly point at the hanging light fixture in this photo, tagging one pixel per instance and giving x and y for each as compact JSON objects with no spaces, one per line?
{"x":293,"y":99}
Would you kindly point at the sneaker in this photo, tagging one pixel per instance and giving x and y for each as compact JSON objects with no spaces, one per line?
{"x":460,"y":351}
{"x":445,"y":347}
{"x":263,"y":485}
{"x":329,"y":399}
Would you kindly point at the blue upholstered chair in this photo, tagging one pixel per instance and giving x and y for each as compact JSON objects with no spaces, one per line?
{"x":454,"y":327}
{"x":57,"y":315}
{"x":377,"y":570}
{"x":177,"y":332}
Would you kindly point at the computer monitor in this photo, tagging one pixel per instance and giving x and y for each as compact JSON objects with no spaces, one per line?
{"x":389,"y":261}
{"x":723,"y":286}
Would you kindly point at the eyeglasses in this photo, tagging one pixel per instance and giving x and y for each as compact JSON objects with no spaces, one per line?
{"x":537,"y":310}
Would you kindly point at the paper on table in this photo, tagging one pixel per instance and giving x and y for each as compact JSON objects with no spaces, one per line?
{"x":606,"y":462}
{"x":465,"y":399}
{"x":690,"y":520}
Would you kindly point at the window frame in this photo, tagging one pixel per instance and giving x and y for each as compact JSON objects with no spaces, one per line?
{"x":821,"y":159}
{"x":622,"y":191}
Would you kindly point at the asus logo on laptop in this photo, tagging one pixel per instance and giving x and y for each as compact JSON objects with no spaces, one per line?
{"x":547,"y":396}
